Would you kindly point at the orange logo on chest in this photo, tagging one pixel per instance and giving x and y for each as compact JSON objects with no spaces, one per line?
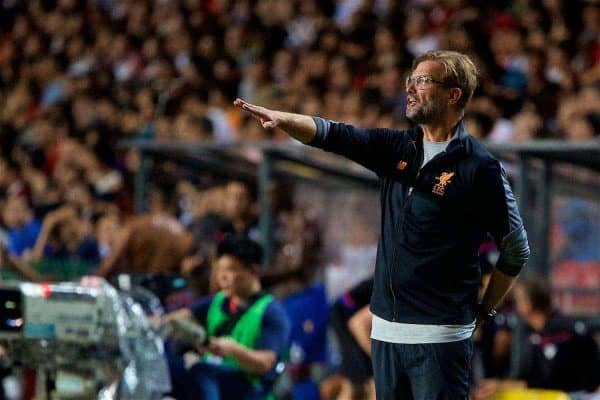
{"x":401,"y":165}
{"x":444,"y":179}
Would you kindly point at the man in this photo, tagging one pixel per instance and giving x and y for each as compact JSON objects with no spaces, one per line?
{"x":555,"y":352}
{"x":155,"y":243}
{"x":248,"y":330}
{"x":441,"y":192}
{"x":23,"y":230}
{"x":23,"y":227}
{"x":237,"y":207}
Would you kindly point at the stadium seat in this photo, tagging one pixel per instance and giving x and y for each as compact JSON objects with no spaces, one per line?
{"x":529,"y":394}
{"x":577,"y":287}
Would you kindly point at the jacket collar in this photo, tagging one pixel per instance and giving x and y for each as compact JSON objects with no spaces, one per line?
{"x":458,"y":141}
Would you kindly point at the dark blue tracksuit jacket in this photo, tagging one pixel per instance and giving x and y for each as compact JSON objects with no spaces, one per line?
{"x":433,"y":220}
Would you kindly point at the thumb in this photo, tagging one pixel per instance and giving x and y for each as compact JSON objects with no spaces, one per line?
{"x":269,"y":124}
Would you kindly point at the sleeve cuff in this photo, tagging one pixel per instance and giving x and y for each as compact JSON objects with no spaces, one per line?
{"x":514,"y":252}
{"x":323,"y":127}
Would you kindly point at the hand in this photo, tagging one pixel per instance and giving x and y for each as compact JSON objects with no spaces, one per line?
{"x":60,"y":214}
{"x":222,"y":347}
{"x":174,"y":315}
{"x":268,"y":118}
{"x":485,"y":388}
{"x":189,"y":263}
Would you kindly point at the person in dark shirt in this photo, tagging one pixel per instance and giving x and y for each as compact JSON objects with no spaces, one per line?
{"x":65,"y":247}
{"x":248,"y":331}
{"x":355,"y":369}
{"x":554,"y":351}
{"x":442,"y":192}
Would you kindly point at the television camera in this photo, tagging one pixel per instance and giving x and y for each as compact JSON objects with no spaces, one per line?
{"x":84,"y":341}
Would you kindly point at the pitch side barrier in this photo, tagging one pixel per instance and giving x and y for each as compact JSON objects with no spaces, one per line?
{"x":557,"y":185}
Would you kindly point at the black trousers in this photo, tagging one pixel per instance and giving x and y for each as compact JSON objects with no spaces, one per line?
{"x":437,"y":371}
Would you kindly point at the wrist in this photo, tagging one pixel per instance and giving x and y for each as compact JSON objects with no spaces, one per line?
{"x":234,"y":349}
{"x":484,"y":313}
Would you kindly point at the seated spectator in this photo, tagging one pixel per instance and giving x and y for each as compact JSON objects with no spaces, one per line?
{"x":22,"y":232}
{"x":23,"y":227}
{"x":238,"y":208}
{"x":148,"y":243}
{"x":248,"y":331}
{"x":66,"y":245}
{"x":555,"y":352}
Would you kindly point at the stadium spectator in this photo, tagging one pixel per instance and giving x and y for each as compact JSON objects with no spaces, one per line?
{"x":555,"y":352}
{"x":248,"y":330}
{"x":23,"y":227}
{"x":148,"y":244}
{"x":66,"y":240}
{"x":351,"y":321}
{"x":237,"y":207}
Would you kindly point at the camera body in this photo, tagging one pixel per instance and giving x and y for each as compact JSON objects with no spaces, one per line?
{"x":186,"y":331}
{"x":82,"y":337}
{"x":66,"y":313}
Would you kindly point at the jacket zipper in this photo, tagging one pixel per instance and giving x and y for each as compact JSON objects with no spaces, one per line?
{"x":406,"y":204}
{"x":392,"y":287}
{"x":394,"y":254}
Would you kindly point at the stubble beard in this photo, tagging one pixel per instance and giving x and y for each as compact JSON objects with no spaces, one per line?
{"x":425,"y":113}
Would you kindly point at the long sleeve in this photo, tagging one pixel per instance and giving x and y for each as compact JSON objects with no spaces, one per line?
{"x":379,"y":150}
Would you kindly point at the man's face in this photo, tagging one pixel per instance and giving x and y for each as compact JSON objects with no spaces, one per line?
{"x":224,"y":273}
{"x":427,"y":102}
{"x":233,"y":277}
{"x":236,"y":200}
{"x":16,"y":212}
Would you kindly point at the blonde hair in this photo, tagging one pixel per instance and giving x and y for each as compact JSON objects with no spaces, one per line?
{"x":459,"y":71}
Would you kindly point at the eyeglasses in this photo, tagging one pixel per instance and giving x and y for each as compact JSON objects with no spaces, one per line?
{"x":421,"y":81}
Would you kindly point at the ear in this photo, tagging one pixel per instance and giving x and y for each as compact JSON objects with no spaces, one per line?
{"x":455,"y":95}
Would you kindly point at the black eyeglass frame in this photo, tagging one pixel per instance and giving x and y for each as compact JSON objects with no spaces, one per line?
{"x":426,"y":79}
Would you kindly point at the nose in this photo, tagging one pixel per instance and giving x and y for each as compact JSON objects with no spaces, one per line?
{"x":410,"y":87}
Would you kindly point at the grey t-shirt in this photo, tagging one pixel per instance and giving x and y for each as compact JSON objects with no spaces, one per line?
{"x":431,"y":149}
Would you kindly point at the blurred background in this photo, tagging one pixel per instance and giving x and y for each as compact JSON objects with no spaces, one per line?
{"x":121,"y":152}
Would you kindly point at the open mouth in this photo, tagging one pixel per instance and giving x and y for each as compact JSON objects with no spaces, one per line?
{"x":411,"y":102}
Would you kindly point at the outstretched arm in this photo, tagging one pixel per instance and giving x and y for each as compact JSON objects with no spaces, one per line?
{"x":300,"y":127}
{"x":379,"y":150}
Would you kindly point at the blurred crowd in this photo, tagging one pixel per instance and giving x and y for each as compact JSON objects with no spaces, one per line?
{"x":78,"y":77}
{"x":104,"y":70}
